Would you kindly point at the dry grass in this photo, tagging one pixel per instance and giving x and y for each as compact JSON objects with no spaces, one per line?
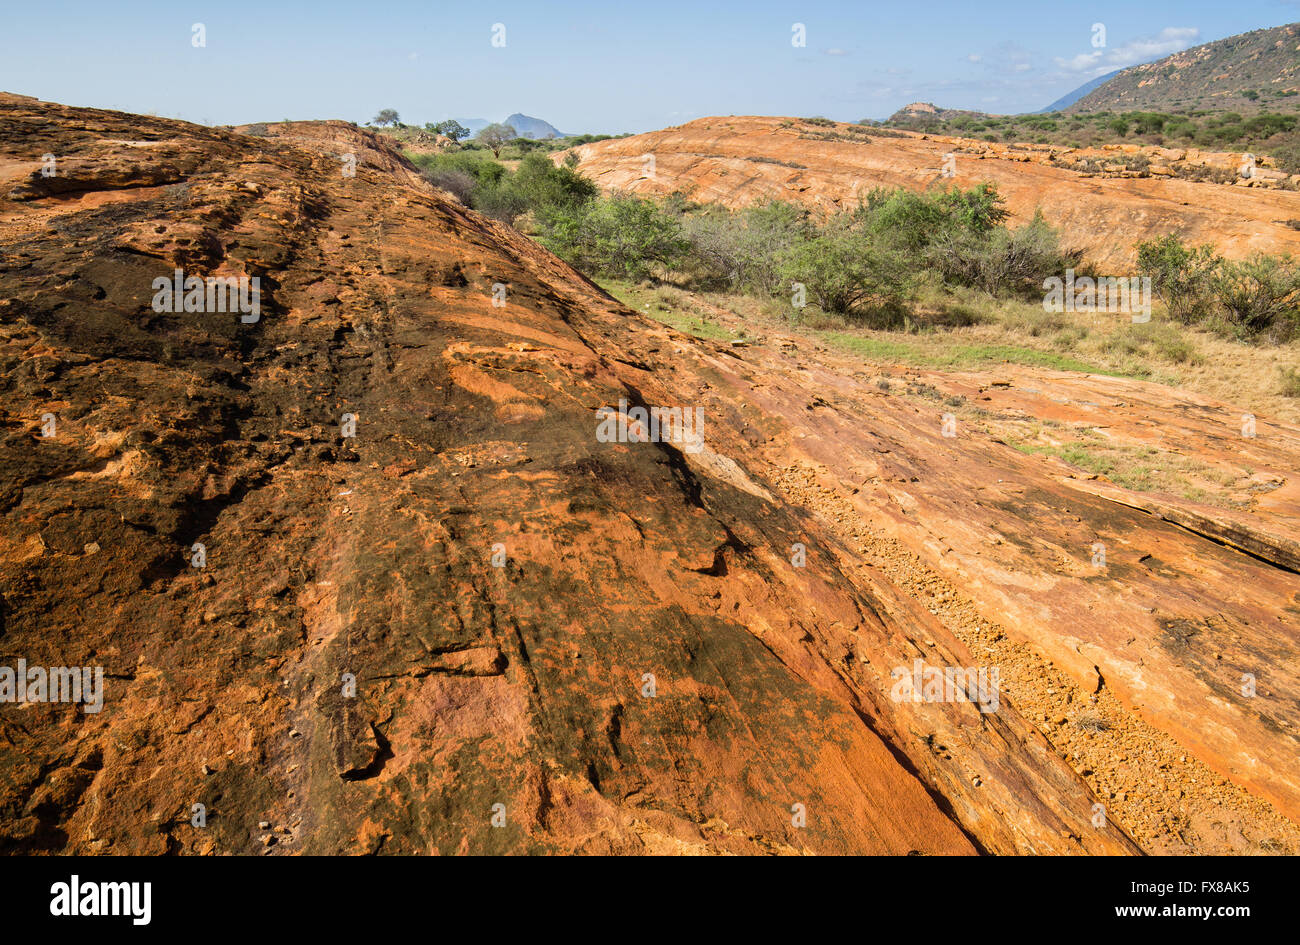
{"x":973,"y":331}
{"x":969,"y":330}
{"x":1139,"y":467}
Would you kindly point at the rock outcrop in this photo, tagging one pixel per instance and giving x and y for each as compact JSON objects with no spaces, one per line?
{"x":363,"y":577}
{"x":1104,"y":199}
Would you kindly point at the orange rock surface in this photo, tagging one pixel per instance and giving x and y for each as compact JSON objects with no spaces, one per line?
{"x":736,"y":161}
{"x":621,"y":644}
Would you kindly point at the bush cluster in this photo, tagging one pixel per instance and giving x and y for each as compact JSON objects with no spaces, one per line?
{"x":864,"y":261}
{"x":1255,"y":297}
{"x":876,"y":254}
{"x":537,"y":187}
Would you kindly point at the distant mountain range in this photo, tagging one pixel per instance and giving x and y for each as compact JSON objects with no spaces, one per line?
{"x":1065,"y":101}
{"x":527,"y":126}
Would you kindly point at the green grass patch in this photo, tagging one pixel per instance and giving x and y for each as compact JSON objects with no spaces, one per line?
{"x":952,"y":354}
{"x":649,"y":302}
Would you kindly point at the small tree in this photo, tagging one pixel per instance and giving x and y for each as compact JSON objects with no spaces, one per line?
{"x":387,"y":116}
{"x":1183,"y":276}
{"x":526,"y":145}
{"x":1260,"y":292}
{"x":497,"y":136}
{"x":620,"y":235}
{"x":451,"y":129}
{"x":845,"y":267}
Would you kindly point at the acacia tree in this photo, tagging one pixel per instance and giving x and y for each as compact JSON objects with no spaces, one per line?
{"x":387,"y":116}
{"x":452,"y":129}
{"x":497,"y":136}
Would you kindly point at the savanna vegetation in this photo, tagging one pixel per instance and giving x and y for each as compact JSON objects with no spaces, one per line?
{"x":1253,"y":298}
{"x":939,"y":278}
{"x":1274,"y":133}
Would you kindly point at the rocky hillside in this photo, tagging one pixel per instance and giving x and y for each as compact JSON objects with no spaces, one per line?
{"x":1245,"y":73}
{"x":1105,"y":199}
{"x":922,"y":116}
{"x":363,"y":578}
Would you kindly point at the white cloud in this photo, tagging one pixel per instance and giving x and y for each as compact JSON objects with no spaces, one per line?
{"x":1007,"y":58}
{"x":1169,"y":40}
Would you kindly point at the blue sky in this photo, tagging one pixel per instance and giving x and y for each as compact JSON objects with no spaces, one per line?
{"x":607,"y":66}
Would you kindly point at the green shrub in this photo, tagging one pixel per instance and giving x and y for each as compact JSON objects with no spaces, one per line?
{"x":1000,"y":260}
{"x":1149,"y":123}
{"x":1260,"y":293}
{"x":538,"y":186}
{"x":745,"y":250}
{"x":547,"y":190}
{"x":460,"y":184}
{"x":1183,"y":276}
{"x":846,"y":267}
{"x":1290,"y":382}
{"x":1170,"y":343}
{"x":527,"y":145}
{"x":621,"y":236}
{"x":911,"y":222}
{"x":478,"y":166}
